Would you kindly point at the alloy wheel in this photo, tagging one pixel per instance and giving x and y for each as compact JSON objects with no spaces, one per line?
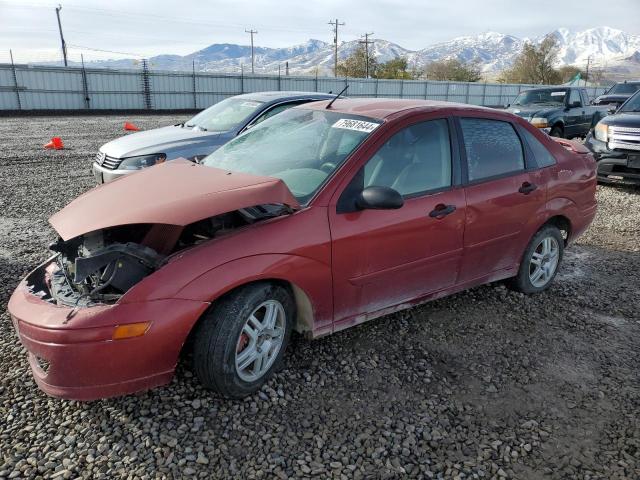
{"x":260,"y":340}
{"x":544,"y":262}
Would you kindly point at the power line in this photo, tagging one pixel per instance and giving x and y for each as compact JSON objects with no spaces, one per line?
{"x":252,"y":32}
{"x":64,"y":46}
{"x":366,"y":43}
{"x":81,"y":47}
{"x":335,"y":25}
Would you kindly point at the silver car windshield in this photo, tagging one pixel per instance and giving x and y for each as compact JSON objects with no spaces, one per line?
{"x":302,"y":147}
{"x":224,"y":115}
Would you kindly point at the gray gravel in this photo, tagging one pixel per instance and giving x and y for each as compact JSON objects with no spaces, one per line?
{"x":485,"y":384}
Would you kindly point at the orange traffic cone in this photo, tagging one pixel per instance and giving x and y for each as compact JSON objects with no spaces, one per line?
{"x":130,"y":127}
{"x":55,"y":143}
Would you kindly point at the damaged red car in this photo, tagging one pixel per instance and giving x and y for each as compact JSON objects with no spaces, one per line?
{"x":318,"y":219}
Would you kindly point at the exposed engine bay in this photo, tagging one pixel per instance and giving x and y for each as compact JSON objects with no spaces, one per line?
{"x":100,"y":266}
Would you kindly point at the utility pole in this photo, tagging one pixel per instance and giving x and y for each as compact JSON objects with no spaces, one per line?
{"x":586,"y":76}
{"x":366,"y":43}
{"x":335,"y":26}
{"x":252,"y":32}
{"x":64,"y":45}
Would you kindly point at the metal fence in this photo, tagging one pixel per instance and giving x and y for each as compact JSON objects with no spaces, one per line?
{"x":27,"y":87}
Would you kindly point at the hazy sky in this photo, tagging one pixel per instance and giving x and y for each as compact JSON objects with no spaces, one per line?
{"x":150,"y":27}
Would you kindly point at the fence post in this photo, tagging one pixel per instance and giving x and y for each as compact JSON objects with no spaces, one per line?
{"x":241,"y":78}
{"x":15,"y":80}
{"x":426,"y":89}
{"x":146,"y":85}
{"x":193,"y":84}
{"x":279,"y":87}
{"x":484,"y":94}
{"x":401,"y":87}
{"x":85,"y":85}
{"x":466,"y":98}
{"x":447,"y":97}
{"x":377,"y":81}
{"x":316,"y":82}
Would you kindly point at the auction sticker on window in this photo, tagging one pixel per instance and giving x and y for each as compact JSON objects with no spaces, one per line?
{"x":357,"y":125}
{"x":558,"y":94}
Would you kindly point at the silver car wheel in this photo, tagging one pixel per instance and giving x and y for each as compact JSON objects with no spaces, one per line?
{"x":260,"y":340}
{"x":544,"y":262}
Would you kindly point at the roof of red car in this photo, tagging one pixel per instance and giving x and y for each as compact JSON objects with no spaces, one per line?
{"x":381,"y":108}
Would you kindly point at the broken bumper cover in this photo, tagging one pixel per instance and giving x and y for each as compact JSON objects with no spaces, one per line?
{"x":72,"y":353}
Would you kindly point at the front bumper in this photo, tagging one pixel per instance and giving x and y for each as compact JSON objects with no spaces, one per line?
{"x":72,"y":354}
{"x":615,"y":166}
{"x":104,"y":175}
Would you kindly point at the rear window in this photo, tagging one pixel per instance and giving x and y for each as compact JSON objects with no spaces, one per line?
{"x":493,"y":148}
{"x":540,"y":152}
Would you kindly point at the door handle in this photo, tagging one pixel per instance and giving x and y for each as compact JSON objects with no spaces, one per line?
{"x":442,"y":211}
{"x":527,"y":188}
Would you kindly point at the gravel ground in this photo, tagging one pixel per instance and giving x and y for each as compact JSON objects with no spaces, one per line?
{"x":484,"y":384}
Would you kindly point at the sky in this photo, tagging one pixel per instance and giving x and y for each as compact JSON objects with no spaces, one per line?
{"x":145,"y":28}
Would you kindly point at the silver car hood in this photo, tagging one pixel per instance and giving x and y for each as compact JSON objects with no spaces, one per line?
{"x":170,"y":140}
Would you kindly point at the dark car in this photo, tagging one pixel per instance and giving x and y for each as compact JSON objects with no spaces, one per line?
{"x":615,"y":142}
{"x":618,"y":94}
{"x":560,"y":111}
{"x":316,"y":220}
{"x":195,"y":138}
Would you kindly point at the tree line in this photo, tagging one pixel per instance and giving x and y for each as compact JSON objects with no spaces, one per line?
{"x":535,"y":65}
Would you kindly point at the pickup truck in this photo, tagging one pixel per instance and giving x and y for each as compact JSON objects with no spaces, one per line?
{"x":560,"y":111}
{"x":618,"y":94}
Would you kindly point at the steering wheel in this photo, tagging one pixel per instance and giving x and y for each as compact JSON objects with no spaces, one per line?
{"x":328,"y":167}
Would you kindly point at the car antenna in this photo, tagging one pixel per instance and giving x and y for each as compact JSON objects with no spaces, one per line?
{"x":336,"y":97}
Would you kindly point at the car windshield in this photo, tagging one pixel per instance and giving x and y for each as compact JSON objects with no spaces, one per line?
{"x":624,"y":89}
{"x":302,"y":147}
{"x":224,"y":115}
{"x":631,"y":105}
{"x":536,"y":97}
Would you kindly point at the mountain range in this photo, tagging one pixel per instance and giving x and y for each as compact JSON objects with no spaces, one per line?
{"x":615,"y":51}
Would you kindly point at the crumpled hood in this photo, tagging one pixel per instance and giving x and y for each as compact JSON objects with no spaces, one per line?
{"x":175,"y":193}
{"x":161,"y":140}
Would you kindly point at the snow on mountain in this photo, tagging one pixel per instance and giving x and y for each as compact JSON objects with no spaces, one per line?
{"x":602,"y":44}
{"x":607,"y":47}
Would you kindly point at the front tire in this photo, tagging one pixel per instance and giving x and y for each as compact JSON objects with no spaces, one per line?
{"x":242,"y":339}
{"x":556,"y":131}
{"x":540,"y":261}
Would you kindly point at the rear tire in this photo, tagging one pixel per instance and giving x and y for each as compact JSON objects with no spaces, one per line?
{"x":241,"y":340}
{"x":540,"y":261}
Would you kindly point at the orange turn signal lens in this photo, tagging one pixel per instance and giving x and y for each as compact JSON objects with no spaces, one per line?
{"x":130,"y":330}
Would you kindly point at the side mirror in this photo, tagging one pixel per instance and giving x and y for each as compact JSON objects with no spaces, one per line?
{"x":507,"y":105}
{"x":612,"y":109}
{"x":379,"y":198}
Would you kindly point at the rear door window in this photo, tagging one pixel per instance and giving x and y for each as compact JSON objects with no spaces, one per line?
{"x":542,"y":155}
{"x":492,"y":148}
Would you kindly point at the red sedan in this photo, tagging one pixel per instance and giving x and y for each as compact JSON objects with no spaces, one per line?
{"x":320,"y":218}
